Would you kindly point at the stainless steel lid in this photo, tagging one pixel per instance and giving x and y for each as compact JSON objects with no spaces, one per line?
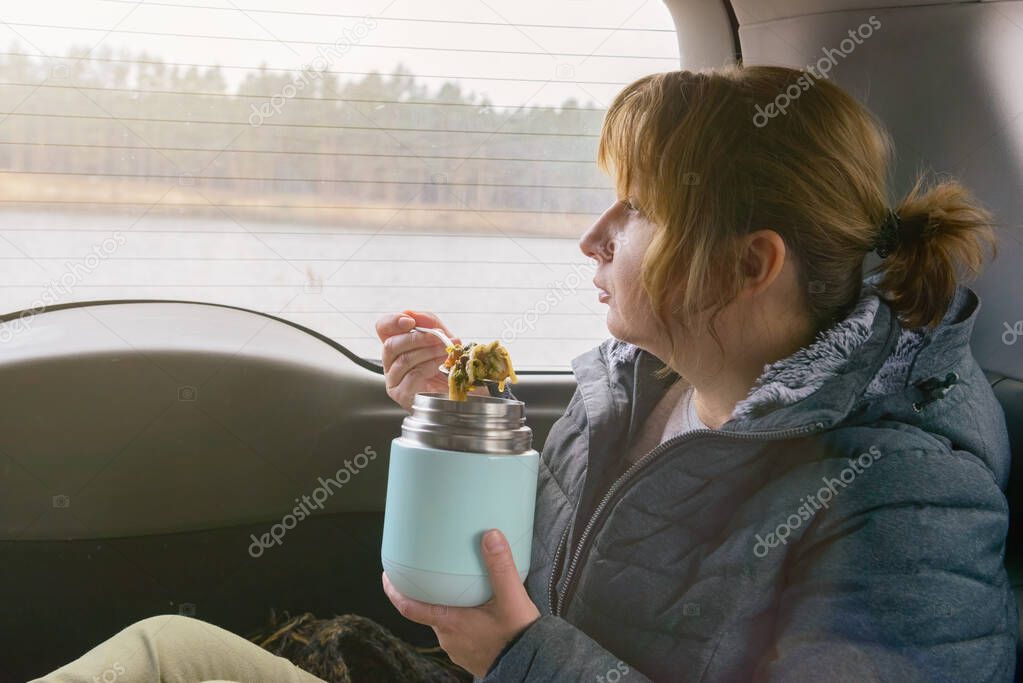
{"x":480,"y":424}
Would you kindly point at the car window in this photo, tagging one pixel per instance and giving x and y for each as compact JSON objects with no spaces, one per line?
{"x":320,"y":161}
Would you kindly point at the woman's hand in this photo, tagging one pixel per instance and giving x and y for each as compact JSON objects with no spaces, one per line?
{"x":411,"y":359}
{"x":474,"y":636}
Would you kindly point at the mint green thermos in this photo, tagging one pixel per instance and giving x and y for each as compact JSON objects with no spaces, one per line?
{"x":458,"y":469}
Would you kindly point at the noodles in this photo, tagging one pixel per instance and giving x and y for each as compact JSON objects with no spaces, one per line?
{"x":475,"y":362}
{"x":458,"y":377}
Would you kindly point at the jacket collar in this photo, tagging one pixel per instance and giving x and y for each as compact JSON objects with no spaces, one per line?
{"x":865,"y":356}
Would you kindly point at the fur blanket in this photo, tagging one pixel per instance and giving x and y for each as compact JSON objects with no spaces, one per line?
{"x":354,"y":649}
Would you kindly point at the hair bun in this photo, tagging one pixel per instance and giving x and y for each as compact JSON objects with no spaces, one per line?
{"x":889,"y":236}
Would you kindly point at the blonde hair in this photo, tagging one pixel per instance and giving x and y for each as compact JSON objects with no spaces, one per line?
{"x":707,"y":166}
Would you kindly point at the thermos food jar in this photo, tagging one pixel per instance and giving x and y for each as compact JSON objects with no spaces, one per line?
{"x":458,"y":469}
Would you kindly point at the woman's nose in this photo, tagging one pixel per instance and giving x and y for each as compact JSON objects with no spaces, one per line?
{"x":596,"y":242}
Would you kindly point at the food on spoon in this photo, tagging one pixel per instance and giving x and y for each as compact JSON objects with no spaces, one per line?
{"x":475,"y":362}
{"x":458,"y":376}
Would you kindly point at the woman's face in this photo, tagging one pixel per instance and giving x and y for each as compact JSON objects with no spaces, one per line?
{"x":617,"y":241}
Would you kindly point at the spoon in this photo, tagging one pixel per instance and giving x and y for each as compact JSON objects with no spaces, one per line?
{"x":436,"y":333}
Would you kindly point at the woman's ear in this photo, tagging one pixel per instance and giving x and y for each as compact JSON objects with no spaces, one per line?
{"x":762,"y":260}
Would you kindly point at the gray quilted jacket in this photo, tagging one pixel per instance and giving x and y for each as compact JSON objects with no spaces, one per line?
{"x":846,"y":524}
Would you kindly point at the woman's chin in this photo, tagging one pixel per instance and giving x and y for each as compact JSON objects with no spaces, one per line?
{"x":616,"y":326}
{"x":620,"y":329}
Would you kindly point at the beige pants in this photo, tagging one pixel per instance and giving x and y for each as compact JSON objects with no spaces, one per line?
{"x":179,"y":649}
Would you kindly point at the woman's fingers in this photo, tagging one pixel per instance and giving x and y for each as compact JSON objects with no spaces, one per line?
{"x":410,"y":358}
{"x":504,"y":576}
{"x":391,"y":324}
{"x":430,"y":358}
{"x":414,"y":382}
{"x":394,"y":330}
{"x":409,"y":341}
{"x":413,"y":610}
{"x":427,"y":319}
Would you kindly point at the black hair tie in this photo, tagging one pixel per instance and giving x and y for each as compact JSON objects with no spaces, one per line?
{"x":888,"y":238}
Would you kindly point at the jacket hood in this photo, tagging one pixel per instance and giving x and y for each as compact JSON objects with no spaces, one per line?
{"x":865,"y":369}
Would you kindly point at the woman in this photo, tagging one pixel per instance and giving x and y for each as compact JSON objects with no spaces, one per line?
{"x":773,"y":470}
{"x":820,"y":498}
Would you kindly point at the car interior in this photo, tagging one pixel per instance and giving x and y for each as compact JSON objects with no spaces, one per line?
{"x":167,"y":400}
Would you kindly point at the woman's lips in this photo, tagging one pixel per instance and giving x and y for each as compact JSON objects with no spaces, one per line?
{"x":602,"y":294}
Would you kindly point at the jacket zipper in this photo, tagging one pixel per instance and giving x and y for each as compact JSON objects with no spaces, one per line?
{"x":554,"y":567}
{"x":557,"y":607}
